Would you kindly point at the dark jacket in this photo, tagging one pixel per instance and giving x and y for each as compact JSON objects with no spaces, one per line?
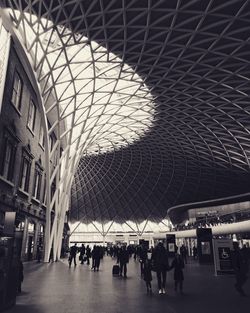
{"x":96,"y":253}
{"x":147,"y":271}
{"x":160,"y":258}
{"x":88,"y":252}
{"x":123,"y":256}
{"x":73,"y":251}
{"x":178,"y":265}
{"x":82,"y":250}
{"x":20,"y":272}
{"x":143,"y":254}
{"x":240,"y":262}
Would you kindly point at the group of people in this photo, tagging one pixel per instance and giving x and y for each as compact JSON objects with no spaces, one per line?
{"x":85,"y":253}
{"x":157,"y":260}
{"x":154,"y":259}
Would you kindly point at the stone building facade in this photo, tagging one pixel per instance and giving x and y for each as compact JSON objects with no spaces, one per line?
{"x":22,"y":158}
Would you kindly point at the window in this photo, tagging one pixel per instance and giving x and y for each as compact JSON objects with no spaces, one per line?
{"x":17,"y":91}
{"x":41,"y":136}
{"x":37,"y":181}
{"x":7,"y":169}
{"x":25,"y":169}
{"x":9,"y":155}
{"x":25,"y":175}
{"x":32,"y":115}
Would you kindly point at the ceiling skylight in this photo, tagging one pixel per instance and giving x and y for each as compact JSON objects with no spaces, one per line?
{"x":103,"y":102}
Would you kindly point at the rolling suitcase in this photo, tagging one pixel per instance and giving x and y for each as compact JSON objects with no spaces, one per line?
{"x":116,"y":270}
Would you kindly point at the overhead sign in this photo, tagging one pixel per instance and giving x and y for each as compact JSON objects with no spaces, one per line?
{"x":223,"y":256}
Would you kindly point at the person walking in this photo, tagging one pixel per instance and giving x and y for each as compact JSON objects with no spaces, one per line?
{"x":183,"y":252}
{"x":39,"y":253}
{"x":82,"y":254}
{"x":195,"y":252}
{"x":20,"y":276}
{"x":161,"y":265}
{"x":142,"y":257}
{"x":72,"y":254}
{"x":96,"y":257}
{"x":178,"y":266}
{"x":147,"y":274}
{"x":241,"y":266}
{"x":123,"y":259}
{"x":88,"y":254}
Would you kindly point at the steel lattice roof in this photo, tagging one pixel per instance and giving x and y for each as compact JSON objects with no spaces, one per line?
{"x":192,"y":64}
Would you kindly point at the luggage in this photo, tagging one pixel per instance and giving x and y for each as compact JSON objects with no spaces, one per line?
{"x":116,"y":270}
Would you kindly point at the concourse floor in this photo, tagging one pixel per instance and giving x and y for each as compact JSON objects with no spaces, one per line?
{"x":56,"y":288}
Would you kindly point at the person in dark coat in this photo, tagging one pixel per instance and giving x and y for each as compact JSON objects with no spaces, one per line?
{"x":82,"y":253}
{"x":147,"y":274}
{"x":178,"y":266}
{"x":195,"y":252}
{"x":88,"y":253}
{"x":39,"y":253}
{"x":72,"y":254}
{"x":123,"y":259}
{"x":96,"y":257}
{"x":143,"y":256}
{"x":241,"y":266}
{"x":183,"y":252}
{"x":20,"y":276}
{"x":160,"y":261}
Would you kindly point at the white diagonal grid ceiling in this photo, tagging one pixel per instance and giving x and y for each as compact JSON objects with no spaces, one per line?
{"x":154,"y":95}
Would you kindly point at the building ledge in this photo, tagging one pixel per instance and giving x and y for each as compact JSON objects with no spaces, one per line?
{"x":6,"y":181}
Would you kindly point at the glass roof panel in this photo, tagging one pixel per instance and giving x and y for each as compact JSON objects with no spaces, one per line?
{"x":92,"y":86}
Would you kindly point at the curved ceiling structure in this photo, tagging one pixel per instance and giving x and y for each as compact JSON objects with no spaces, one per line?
{"x":185,"y":137}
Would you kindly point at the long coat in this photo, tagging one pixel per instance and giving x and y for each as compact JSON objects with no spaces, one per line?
{"x":160,"y":259}
{"x":178,"y":266}
{"x":147,"y":274}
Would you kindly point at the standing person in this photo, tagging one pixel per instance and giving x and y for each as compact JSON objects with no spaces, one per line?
{"x":72,"y":252}
{"x":88,"y":254}
{"x":93,"y":257}
{"x":20,"y":276}
{"x":39,"y":253}
{"x":135,"y":253}
{"x":240,"y":264}
{"x":194,"y":252}
{"x":160,"y":260}
{"x":143,"y":256}
{"x":178,"y":265}
{"x":183,"y":252}
{"x":147,"y":274}
{"x":123,"y":259}
{"x":111,"y":251}
{"x":96,"y":257}
{"x":82,"y":253}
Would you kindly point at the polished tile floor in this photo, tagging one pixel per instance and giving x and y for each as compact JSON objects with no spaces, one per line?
{"x":56,"y":288}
